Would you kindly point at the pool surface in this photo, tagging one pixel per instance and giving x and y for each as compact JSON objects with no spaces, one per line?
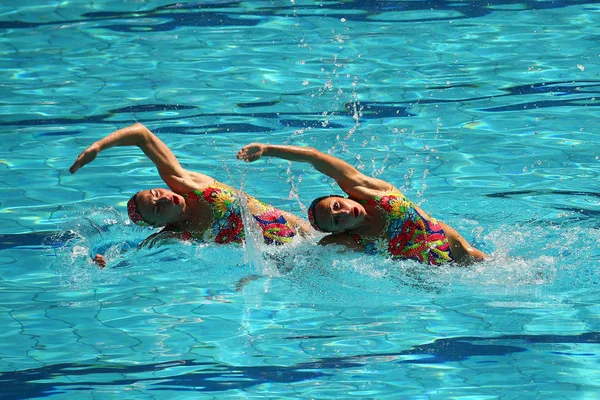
{"x":483,"y":113}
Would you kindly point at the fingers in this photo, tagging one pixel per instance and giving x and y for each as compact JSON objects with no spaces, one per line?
{"x":243,"y":154}
{"x":100,"y":261}
{"x":250,"y":152}
{"x":77,"y":164}
{"x":86,"y":157}
{"x":250,"y":157}
{"x":74,"y":167}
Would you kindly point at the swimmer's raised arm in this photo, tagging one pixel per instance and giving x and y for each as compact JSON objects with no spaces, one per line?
{"x":347,"y":177}
{"x":138,"y":135}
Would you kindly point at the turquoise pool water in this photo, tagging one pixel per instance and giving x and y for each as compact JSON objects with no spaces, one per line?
{"x":485,"y":113}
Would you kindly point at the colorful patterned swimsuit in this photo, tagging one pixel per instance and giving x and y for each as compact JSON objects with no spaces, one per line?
{"x":227,"y":225}
{"x":408,"y":234}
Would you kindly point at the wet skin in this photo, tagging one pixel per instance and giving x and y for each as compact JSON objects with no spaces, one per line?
{"x":160,"y":206}
{"x":338,"y":214}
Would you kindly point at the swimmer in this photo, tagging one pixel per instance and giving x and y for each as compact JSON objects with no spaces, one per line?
{"x":375,"y":217}
{"x":195,"y":206}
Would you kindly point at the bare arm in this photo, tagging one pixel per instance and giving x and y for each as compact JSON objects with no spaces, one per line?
{"x":138,"y":135}
{"x":347,"y":177}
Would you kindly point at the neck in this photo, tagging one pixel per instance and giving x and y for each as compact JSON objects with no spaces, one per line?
{"x":183,"y":219}
{"x":373,"y":223}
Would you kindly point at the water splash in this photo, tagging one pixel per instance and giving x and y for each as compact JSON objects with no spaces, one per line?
{"x":87,"y":232}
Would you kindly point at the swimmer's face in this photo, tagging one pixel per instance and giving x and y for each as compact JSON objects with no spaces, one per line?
{"x":160,"y":206}
{"x":338,"y":214}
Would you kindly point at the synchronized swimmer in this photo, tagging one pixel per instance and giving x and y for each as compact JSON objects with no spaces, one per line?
{"x":375,"y":217}
{"x":197,"y":206}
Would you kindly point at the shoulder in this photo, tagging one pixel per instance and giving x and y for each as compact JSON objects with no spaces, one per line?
{"x":378,"y":189}
{"x":201,"y":181}
{"x":190,"y":181}
{"x":167,"y":234}
{"x":344,"y":239}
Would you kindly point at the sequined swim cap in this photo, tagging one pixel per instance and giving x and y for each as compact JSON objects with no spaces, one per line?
{"x":135,"y":216}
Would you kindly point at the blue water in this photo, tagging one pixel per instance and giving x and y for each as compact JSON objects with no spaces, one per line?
{"x":484,"y":113}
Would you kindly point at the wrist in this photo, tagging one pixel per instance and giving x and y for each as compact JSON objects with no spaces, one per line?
{"x":97,"y":146}
{"x":267,"y":150}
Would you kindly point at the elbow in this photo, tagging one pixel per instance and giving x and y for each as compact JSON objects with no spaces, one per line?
{"x":143,"y":134}
{"x":313,"y":152}
{"x":141,"y":128}
{"x":139,"y":125}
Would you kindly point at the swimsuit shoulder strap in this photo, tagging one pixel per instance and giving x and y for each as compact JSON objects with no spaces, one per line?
{"x":383,"y":200}
{"x":193,"y":194}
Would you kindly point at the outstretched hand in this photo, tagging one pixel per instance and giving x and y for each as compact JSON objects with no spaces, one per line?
{"x":251,"y":152}
{"x":99,"y":260}
{"x":86,"y":157}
